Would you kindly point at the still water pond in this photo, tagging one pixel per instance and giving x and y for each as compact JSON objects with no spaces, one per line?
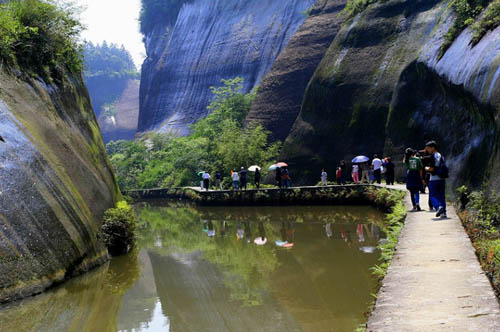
{"x":222,"y":269}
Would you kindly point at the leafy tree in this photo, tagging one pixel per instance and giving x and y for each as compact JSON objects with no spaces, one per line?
{"x":108,"y":68}
{"x":40,"y":37}
{"x":218,"y":142}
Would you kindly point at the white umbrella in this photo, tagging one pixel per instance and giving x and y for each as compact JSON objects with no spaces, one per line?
{"x":254,"y":168}
{"x":260,"y":241}
{"x":360,"y":159}
{"x":273,"y":167}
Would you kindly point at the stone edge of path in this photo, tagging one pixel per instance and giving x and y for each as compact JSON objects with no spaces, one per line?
{"x":435,"y":281}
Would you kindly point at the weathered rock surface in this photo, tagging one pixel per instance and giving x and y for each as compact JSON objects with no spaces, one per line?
{"x":122,"y":123}
{"x":381,"y":88}
{"x":55,"y":184}
{"x":280,"y":93}
{"x":210,"y":41}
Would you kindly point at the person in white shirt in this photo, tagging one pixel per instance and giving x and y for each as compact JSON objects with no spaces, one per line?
{"x":206,"y":180}
{"x":355,"y":173}
{"x":377,"y":169}
{"x":324,"y":177}
{"x":236,"y":180}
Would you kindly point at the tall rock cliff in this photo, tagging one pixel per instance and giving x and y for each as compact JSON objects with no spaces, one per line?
{"x":280,"y":93}
{"x":55,"y":184}
{"x":382,"y":86}
{"x":208,"y":41}
{"x":119,"y":120}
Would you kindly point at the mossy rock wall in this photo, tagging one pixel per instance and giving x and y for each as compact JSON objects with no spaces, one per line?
{"x":381,"y":87}
{"x":55,"y":184}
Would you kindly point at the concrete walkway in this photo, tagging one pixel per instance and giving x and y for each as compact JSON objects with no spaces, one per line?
{"x":435,"y":282}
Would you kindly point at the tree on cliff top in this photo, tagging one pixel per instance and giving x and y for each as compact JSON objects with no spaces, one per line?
{"x":108,"y":68}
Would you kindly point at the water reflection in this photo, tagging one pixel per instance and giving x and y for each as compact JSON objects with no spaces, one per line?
{"x":222,"y":269}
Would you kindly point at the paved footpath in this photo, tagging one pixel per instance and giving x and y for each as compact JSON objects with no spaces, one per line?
{"x":435,"y":282}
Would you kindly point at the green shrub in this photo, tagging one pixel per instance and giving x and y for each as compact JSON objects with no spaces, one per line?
{"x":465,"y":13}
{"x":354,"y":7}
{"x":487,"y":22}
{"x":118,"y":229}
{"x":40,"y":37}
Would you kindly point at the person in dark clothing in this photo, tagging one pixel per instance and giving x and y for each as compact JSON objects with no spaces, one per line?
{"x":278,"y":177}
{"x":285,"y":177}
{"x":343,"y":175}
{"x":218,"y":179}
{"x":414,"y":177}
{"x":243,"y":178}
{"x":389,"y":173}
{"x":257,"y":178}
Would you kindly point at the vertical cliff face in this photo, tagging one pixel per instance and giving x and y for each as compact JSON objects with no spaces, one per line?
{"x":382,"y":87}
{"x":55,"y":184}
{"x":280,"y":93}
{"x":209,"y":41}
{"x":119,"y":120}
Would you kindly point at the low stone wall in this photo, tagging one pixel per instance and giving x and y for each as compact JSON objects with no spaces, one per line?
{"x":329,"y":195}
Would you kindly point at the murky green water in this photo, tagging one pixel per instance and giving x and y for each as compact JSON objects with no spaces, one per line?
{"x":222,"y":269}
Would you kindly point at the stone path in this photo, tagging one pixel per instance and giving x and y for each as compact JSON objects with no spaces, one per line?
{"x":435,"y":282}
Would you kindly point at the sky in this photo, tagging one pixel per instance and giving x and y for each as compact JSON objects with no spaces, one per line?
{"x":115,"y":21}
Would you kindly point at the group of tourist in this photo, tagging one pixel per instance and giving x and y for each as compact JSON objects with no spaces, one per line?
{"x":239,"y":179}
{"x":370,"y":172}
{"x":427,"y":168}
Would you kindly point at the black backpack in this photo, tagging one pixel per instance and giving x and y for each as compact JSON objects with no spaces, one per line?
{"x":442,"y":170}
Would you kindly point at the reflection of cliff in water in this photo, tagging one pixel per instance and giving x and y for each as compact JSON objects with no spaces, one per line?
{"x":195,"y":298}
{"x":90,"y":302}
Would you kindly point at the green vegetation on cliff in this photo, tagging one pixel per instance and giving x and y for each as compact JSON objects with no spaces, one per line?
{"x":41,"y":37}
{"x":354,"y":7}
{"x":487,"y":22}
{"x":218,"y":142}
{"x":472,"y":13}
{"x":108,"y":68}
{"x":480,"y":214}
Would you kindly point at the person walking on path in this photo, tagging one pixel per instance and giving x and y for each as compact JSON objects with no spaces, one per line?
{"x":324,"y":177}
{"x":377,"y":169}
{"x":414,"y":177}
{"x":236,"y":180}
{"x":355,"y":173}
{"x":365,"y":172}
{"x":206,"y":180}
{"x":278,"y":177}
{"x":338,"y":175}
{"x":218,"y":179}
{"x":285,"y":176}
{"x":343,"y":175}
{"x":389,"y":170}
{"x":257,"y":178}
{"x":437,"y":183}
{"x":243,"y":178}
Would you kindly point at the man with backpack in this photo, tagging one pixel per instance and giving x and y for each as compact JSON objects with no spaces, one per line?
{"x":437,"y":183}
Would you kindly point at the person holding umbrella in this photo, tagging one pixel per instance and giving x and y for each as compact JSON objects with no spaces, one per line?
{"x":361,"y":162}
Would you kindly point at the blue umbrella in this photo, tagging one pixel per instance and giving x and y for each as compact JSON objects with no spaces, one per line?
{"x":273,"y":167}
{"x":360,"y":159}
